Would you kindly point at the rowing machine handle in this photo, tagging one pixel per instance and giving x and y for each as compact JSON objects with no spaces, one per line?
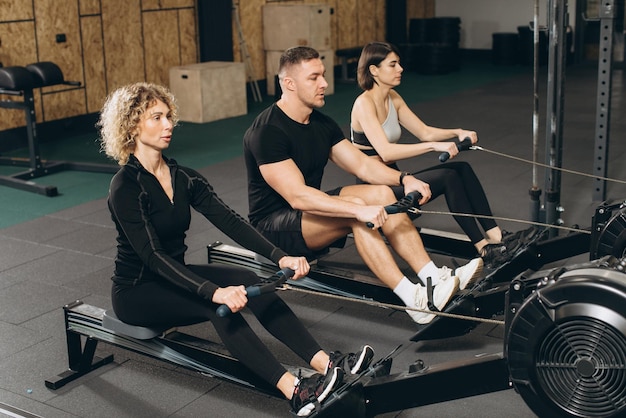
{"x":461,"y":146}
{"x":410,"y":200}
{"x":256,"y":290}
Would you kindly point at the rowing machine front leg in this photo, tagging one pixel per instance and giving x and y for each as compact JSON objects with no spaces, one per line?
{"x":81,"y":358}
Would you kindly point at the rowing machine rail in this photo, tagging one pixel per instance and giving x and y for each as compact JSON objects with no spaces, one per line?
{"x":84,"y":321}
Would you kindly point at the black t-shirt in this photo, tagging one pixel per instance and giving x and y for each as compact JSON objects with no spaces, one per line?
{"x":275,"y":137}
{"x":152,"y":229}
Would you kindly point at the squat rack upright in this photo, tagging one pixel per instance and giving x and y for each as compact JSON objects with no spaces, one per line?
{"x":557,"y":24}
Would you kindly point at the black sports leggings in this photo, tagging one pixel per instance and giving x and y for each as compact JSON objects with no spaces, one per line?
{"x":463,"y":192}
{"x":161,"y":304}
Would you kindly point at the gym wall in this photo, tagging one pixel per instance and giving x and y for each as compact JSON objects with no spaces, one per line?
{"x":108,"y":43}
{"x":352,"y":23}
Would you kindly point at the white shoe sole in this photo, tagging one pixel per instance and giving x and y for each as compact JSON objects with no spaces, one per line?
{"x":307,"y":409}
{"x":425,"y":318}
{"x":475,"y":274}
{"x":366,"y":355}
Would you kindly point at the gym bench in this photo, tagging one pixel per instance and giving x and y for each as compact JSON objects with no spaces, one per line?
{"x":346,"y":54}
{"x":20,"y":81}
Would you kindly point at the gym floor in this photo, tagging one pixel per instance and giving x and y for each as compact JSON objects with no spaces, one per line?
{"x":64,"y":252}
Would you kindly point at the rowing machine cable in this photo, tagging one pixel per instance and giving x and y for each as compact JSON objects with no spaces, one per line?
{"x":389,"y":305}
{"x":419,"y":211}
{"x":479,"y":148}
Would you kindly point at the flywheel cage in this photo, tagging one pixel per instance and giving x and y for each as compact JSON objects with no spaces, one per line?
{"x":566,"y":343}
{"x":581,"y":367}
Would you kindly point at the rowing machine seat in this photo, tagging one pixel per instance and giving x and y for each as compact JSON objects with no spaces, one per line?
{"x":16,"y":79}
{"x":111,"y":322}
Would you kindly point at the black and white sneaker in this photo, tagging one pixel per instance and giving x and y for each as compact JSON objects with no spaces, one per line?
{"x":494,"y":255}
{"x":513,"y":241}
{"x":312,"y":391}
{"x":352,"y":363}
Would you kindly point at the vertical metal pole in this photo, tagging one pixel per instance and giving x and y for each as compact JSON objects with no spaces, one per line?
{"x":31,"y":132}
{"x":243,"y":49}
{"x":603,"y":103}
{"x":557,"y":17}
{"x":535,"y":191}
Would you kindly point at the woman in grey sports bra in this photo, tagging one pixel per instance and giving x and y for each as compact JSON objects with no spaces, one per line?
{"x":375,"y":128}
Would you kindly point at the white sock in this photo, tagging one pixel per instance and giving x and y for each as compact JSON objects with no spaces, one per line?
{"x":296,"y":382}
{"x":406,"y":291}
{"x":429,"y":270}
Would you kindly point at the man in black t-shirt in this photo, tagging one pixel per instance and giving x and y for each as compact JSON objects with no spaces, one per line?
{"x":286,"y":150}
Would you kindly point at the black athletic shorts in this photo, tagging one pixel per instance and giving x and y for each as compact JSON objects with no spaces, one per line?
{"x":284,"y":229}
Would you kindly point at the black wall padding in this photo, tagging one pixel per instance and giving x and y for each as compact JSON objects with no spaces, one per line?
{"x":396,"y":22}
{"x":215,"y":30}
{"x":448,"y":30}
{"x":433,"y":46}
{"x":422,"y":31}
{"x":505,"y":48}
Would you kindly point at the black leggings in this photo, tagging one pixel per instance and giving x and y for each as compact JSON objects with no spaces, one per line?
{"x":464,"y":194}
{"x":463,"y":191}
{"x":161,"y":304}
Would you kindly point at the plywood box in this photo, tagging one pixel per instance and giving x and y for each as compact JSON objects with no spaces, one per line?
{"x":209,"y":91}
{"x":288,"y":25}
{"x":272,"y":60}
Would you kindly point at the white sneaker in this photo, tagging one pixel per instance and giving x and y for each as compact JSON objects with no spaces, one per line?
{"x":445,"y":273}
{"x":442,"y":293}
{"x":468,"y":273}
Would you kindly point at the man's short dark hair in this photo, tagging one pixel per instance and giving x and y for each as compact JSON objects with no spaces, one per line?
{"x":296,"y":55}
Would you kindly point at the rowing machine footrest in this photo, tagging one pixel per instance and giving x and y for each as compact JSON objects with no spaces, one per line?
{"x":111,"y":322}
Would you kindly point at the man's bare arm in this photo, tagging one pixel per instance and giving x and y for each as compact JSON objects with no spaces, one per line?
{"x":286,"y":178}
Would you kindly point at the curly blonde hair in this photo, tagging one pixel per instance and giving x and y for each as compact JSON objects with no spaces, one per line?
{"x":122,"y":112}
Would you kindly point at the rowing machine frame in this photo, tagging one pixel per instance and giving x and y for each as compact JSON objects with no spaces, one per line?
{"x":375,"y":391}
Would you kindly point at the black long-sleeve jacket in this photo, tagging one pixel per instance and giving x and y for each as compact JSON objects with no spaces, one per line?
{"x":152,"y":229}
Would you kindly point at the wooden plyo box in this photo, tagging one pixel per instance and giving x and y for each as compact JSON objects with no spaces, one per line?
{"x":209,"y":91}
{"x":272,"y":60}
{"x":289,"y":25}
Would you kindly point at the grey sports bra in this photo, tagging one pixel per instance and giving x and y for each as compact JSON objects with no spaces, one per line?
{"x":391,"y":126}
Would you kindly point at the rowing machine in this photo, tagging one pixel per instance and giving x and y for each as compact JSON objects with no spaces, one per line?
{"x":564,"y":351}
{"x":333,"y":275}
{"x":95,"y":324}
{"x":86,"y":325}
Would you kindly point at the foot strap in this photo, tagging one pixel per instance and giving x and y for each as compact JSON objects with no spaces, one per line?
{"x":429,"y":293}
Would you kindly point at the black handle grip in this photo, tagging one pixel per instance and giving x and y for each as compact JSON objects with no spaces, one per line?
{"x":256,"y":290}
{"x":461,"y":146}
{"x":401,"y":206}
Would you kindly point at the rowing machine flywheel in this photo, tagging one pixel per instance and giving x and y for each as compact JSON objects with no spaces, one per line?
{"x":609,"y":231}
{"x":566,"y":346}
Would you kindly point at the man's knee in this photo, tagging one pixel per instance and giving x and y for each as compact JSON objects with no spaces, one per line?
{"x":372,"y":194}
{"x":354,"y":199}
